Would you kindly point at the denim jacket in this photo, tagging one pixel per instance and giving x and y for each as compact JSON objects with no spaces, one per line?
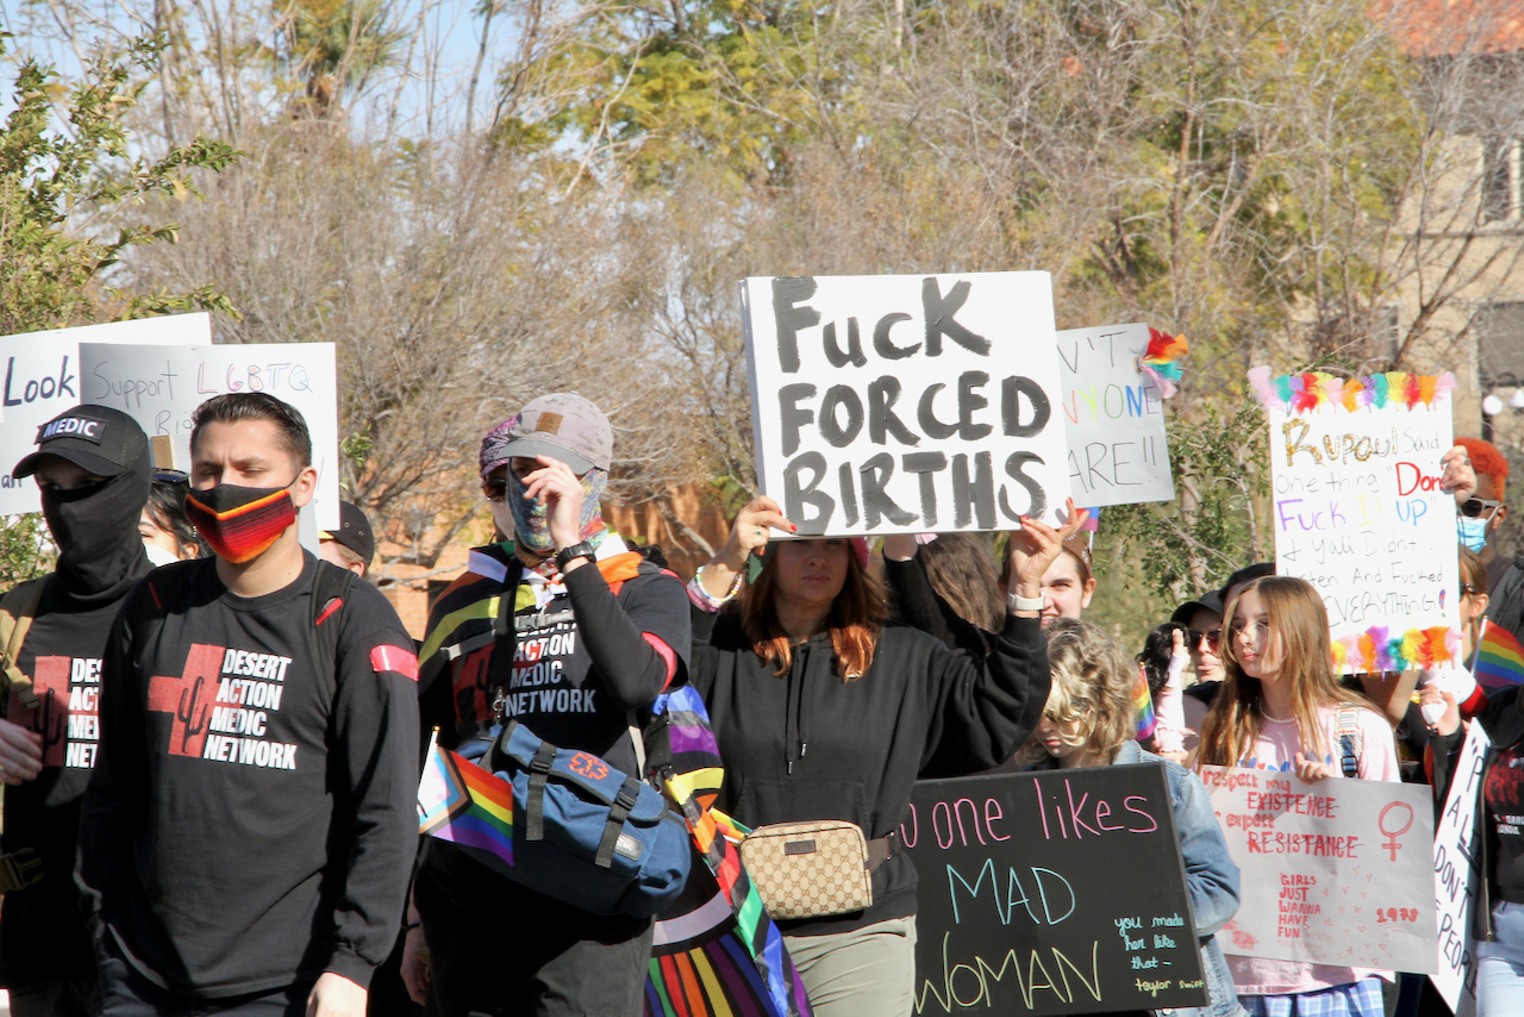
{"x":1210,"y":877}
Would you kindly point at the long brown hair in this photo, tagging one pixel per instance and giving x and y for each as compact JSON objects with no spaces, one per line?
{"x":961,"y":568}
{"x":857,"y":616}
{"x":1299,"y":623}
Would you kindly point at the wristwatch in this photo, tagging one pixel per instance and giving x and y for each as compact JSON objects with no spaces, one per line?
{"x":567,"y":555}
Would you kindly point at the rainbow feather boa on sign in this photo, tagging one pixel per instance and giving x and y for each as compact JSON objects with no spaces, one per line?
{"x":1310,"y":390}
{"x":1379,"y":649}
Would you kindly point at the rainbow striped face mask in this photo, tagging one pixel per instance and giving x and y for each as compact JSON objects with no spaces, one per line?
{"x":240,"y":523}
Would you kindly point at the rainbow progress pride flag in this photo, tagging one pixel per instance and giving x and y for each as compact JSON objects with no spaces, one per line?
{"x":465,"y":805}
{"x":1499,"y":658}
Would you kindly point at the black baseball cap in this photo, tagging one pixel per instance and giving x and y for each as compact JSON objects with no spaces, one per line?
{"x":353,"y":532}
{"x":1209,"y":601}
{"x":105,"y":441}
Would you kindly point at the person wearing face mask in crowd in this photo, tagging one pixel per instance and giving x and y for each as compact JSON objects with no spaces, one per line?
{"x":1480,"y":514}
{"x":91,"y":466}
{"x":572,"y":633}
{"x":167,"y":533}
{"x":249,"y":828}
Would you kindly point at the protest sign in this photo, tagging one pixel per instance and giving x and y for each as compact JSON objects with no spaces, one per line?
{"x":1336,"y":872}
{"x":161,"y":386}
{"x":42,"y":378}
{"x":1456,"y":875}
{"x":1359,"y":512}
{"x":1113,"y":417}
{"x":1030,"y":900}
{"x":901,"y":404}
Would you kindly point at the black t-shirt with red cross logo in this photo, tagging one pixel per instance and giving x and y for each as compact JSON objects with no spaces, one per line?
{"x":251,"y":821}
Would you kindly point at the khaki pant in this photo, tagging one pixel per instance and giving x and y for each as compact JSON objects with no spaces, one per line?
{"x":866,"y":971}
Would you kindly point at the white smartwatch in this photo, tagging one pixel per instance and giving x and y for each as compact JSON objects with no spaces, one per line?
{"x":1016,"y":602}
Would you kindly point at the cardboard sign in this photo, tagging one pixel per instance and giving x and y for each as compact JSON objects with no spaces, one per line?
{"x":1359,"y":513}
{"x":1113,"y":417}
{"x":1030,"y":901}
{"x":42,"y":377}
{"x":1336,"y":872}
{"x":902,"y":404}
{"x":1456,"y":875}
{"x":161,"y":386}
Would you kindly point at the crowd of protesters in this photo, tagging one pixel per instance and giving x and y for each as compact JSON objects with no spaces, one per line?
{"x":211,"y":736}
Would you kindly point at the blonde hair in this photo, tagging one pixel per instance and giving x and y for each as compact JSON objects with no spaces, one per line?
{"x":1092,"y":682}
{"x":1298,"y":623}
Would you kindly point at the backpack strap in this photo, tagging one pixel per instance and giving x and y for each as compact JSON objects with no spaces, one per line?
{"x":17,"y":609}
{"x":330,"y":591}
{"x":1350,"y":739}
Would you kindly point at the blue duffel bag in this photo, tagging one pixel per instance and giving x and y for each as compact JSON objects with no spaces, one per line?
{"x":586,"y":833}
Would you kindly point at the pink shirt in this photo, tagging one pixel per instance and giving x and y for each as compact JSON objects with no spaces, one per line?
{"x":1276,"y":749}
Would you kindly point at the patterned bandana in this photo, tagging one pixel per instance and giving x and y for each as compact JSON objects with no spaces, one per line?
{"x":493,"y":452}
{"x":531,"y":528}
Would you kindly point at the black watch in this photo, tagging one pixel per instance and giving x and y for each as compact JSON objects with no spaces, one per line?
{"x":566,"y":556}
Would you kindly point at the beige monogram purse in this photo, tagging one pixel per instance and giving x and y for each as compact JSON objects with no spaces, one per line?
{"x":811,"y":869}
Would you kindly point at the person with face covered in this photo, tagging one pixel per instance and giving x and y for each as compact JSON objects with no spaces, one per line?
{"x":569,"y":631}
{"x":249,"y":828}
{"x":92,"y":468}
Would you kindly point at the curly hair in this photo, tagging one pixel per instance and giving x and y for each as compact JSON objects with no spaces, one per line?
{"x":1092,"y":683}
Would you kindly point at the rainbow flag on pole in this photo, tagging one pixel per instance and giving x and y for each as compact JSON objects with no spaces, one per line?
{"x":1143,"y":707}
{"x":1499,"y":658}
{"x":464,"y":804}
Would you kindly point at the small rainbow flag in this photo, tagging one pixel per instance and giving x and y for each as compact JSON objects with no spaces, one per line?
{"x":1143,"y":707}
{"x":460,"y":802}
{"x":1499,"y":658}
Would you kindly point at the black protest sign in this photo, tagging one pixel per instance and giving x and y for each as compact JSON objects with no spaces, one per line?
{"x":1059,"y":892}
{"x":894,"y":404}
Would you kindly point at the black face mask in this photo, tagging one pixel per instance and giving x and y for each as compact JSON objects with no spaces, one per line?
{"x":100,"y":552}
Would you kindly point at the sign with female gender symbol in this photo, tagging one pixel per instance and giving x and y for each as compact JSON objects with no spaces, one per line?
{"x":1334,"y":872}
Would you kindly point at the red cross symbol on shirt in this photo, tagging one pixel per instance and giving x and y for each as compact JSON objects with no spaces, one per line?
{"x":188,"y":698}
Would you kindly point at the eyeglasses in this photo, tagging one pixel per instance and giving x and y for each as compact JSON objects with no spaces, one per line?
{"x":495,"y":488}
{"x":171,"y":476}
{"x":1474,"y":507}
{"x":1261,"y":628}
{"x":1213,"y":637}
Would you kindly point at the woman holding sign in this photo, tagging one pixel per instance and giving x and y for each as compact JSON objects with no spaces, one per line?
{"x":822,"y":712}
{"x":1280,"y":708}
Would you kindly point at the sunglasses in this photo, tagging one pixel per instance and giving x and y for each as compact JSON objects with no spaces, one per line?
{"x":495,"y":488}
{"x":171,"y":476}
{"x":1212,"y":636}
{"x":1474,"y":507}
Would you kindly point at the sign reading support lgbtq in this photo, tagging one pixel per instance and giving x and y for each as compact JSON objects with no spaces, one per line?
{"x":1114,"y":418}
{"x":161,"y":386}
{"x":1359,"y":512}
{"x":1335,"y":872}
{"x":1030,"y":900}
{"x":895,"y":404}
{"x":42,"y":378}
{"x":1456,"y":875}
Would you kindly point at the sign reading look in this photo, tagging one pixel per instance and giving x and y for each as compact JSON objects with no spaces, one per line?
{"x":1334,"y":872}
{"x":1030,"y":900}
{"x":42,"y":377}
{"x":894,"y":404}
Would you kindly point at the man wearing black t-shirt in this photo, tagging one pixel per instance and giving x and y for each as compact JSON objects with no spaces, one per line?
{"x":248,"y":832}
{"x":92,"y":467}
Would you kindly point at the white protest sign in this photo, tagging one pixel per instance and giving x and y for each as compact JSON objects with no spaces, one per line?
{"x":1334,"y":872}
{"x":900,"y":404}
{"x":1114,"y":418}
{"x":1359,"y":512}
{"x":1456,"y":876}
{"x":161,"y":386}
{"x":42,"y":378}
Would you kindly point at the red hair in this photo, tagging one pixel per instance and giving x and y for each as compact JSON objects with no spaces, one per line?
{"x":1487,"y":461}
{"x":856,"y":618}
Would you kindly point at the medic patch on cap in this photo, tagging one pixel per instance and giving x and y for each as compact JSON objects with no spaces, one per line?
{"x":73,"y":427}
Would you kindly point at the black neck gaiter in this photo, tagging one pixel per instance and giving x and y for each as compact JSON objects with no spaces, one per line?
{"x":100,"y":552}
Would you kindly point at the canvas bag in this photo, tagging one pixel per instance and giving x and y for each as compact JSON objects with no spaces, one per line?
{"x":586,"y":833}
{"x":809,"y":869}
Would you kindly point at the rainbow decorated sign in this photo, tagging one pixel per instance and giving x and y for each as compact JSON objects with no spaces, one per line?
{"x":903,"y":404}
{"x":1359,"y":513}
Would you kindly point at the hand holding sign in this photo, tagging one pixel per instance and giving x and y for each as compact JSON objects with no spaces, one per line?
{"x":1036,"y":546}
{"x":1458,"y":477}
{"x":748,"y":535}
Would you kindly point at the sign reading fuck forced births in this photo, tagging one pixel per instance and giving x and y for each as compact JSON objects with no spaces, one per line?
{"x":1051,"y":893}
{"x":1359,"y":511}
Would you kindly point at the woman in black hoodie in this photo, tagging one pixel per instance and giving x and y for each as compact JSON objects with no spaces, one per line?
{"x":823,"y":712}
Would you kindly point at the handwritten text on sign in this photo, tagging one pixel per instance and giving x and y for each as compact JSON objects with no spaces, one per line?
{"x":42,"y":377}
{"x":161,"y":386}
{"x":1456,"y":876}
{"x":1029,"y":901}
{"x":1334,"y":872}
{"x":1360,"y":514}
{"x":892,"y":404}
{"x":1113,"y":417}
